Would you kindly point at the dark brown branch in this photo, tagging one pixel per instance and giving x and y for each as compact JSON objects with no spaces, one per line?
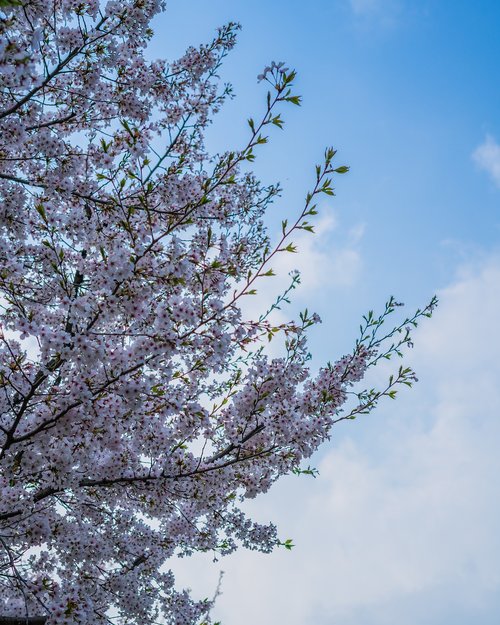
{"x":21,"y":181}
{"x":40,"y":377}
{"x":72,"y":54}
{"x":233,"y":446}
{"x":42,"y":85}
{"x":40,"y":185}
{"x":16,"y":620}
{"x":142,"y":479}
{"x":52,"y":122}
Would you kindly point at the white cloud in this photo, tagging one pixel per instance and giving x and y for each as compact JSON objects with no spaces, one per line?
{"x":323,"y":264}
{"x":402,"y":525}
{"x":487,"y":157}
{"x":385,"y":13}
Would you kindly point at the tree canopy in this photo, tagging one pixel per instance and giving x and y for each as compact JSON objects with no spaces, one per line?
{"x":138,"y":406}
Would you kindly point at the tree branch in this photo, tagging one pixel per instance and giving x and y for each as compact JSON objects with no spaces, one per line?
{"x":17,"y":620}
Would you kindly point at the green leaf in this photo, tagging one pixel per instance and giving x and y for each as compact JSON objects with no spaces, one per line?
{"x":41,"y":211}
{"x":277,"y":121}
{"x":288,"y":544}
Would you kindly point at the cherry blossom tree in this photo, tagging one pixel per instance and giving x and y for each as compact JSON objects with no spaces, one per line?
{"x":138,"y":405}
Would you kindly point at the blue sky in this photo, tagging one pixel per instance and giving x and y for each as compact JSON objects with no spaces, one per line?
{"x":402,"y":525}
{"x":404,"y":90}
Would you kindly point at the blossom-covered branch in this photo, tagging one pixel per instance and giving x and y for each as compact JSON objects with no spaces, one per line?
{"x":138,"y":405}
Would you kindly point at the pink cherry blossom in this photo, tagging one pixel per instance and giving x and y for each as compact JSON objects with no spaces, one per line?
{"x":138,"y":406}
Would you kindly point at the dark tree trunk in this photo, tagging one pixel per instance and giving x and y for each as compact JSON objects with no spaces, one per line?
{"x":17,"y":620}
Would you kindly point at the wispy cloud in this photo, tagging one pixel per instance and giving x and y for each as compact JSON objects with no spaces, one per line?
{"x":402,"y":525}
{"x":320,"y":259}
{"x":328,"y":259}
{"x":362,"y":7}
{"x":381,"y":12}
{"x":487,"y":157}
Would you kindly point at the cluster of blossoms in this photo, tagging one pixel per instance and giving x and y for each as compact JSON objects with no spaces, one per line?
{"x":137,"y":408}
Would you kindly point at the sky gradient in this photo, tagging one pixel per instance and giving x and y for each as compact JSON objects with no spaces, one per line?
{"x":402,"y":524}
